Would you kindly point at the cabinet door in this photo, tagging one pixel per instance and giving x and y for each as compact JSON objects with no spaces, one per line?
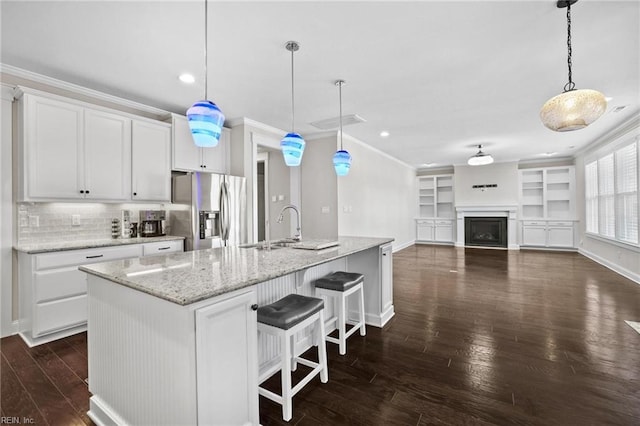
{"x":534,"y":234}
{"x":386,"y":277}
{"x":560,"y":235}
{"x":227,"y":362}
{"x":53,"y":149}
{"x":215,"y":159}
{"x":162,"y":247}
{"x":186,"y":155}
{"x":151,"y":161}
{"x":425,"y":230}
{"x":107,"y":154}
{"x":444,"y":231}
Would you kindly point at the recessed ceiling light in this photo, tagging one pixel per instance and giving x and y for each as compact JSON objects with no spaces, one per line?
{"x":187,"y":78}
{"x":549,"y":154}
{"x":384,"y":134}
{"x":427,"y":165}
{"x":608,"y":99}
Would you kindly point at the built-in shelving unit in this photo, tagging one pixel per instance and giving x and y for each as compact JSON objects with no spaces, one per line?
{"x":435,"y":209}
{"x":547,"y":206}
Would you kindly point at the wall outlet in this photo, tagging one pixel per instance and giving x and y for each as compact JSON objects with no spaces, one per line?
{"x":75,"y":219}
{"x":273,"y":198}
{"x":280,"y":197}
{"x":326,"y":209}
{"x":34,"y":221}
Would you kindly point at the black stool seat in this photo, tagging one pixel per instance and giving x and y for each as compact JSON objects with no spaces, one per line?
{"x":339,"y":281}
{"x":289,"y":311}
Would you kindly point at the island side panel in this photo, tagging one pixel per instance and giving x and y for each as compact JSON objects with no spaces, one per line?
{"x":142,"y":362}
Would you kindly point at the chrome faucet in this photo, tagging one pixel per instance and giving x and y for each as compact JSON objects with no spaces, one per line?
{"x":298,"y":235}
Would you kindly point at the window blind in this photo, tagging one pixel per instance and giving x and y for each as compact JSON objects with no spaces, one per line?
{"x":606,"y":197}
{"x":626,"y":165}
{"x":591,"y":196}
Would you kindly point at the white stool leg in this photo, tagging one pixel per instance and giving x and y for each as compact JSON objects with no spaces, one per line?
{"x":342,"y":322}
{"x":287,"y":409}
{"x":294,"y":364}
{"x":322,"y":349}
{"x":363,"y":330}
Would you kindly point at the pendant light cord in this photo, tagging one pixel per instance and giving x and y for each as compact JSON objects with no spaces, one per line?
{"x":206,"y":26}
{"x":293,"y":109}
{"x":570,"y":85}
{"x":340,"y":96}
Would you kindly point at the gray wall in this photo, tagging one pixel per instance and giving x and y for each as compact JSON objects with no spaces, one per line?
{"x":505,"y":175}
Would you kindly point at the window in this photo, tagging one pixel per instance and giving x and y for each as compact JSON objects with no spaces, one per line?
{"x":611,"y":194}
{"x":627,"y":193}
{"x":591,"y":196}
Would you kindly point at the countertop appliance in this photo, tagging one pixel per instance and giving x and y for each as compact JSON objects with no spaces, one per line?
{"x":210,"y":210}
{"x":152,"y":223}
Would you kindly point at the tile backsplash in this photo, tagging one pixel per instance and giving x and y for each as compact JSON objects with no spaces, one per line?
{"x":51,"y":222}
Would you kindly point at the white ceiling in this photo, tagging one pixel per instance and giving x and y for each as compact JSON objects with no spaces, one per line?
{"x":441,"y":77}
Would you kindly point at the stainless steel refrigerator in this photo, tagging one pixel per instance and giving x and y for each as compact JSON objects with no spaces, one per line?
{"x":210,"y":210}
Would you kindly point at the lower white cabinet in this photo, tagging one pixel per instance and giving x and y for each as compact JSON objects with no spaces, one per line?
{"x":434,"y":230}
{"x":53,"y":292}
{"x":227,"y":353}
{"x":545,"y":233}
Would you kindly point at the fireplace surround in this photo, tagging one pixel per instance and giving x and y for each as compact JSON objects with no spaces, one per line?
{"x":489,"y":211}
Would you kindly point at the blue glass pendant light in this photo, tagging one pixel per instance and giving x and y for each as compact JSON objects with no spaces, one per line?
{"x":292,"y":144}
{"x":342,"y":158}
{"x":205,"y":118}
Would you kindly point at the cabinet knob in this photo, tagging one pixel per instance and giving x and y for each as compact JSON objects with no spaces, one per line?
{"x":82,"y":191}
{"x":135,"y":193}
{"x":204,"y":165}
{"x":86,"y":192}
{"x":254,"y":307}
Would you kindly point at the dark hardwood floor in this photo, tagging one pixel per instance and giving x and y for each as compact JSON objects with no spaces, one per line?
{"x":479,"y":337}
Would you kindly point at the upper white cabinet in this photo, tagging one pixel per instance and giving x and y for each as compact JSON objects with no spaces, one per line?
{"x":151,"y":161}
{"x":547,"y":206}
{"x":52,"y":148}
{"x":435,"y":209}
{"x":188,"y":157}
{"x":107,"y":155}
{"x":70,"y":150}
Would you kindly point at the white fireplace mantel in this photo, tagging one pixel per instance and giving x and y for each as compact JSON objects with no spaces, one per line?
{"x":508,"y":211}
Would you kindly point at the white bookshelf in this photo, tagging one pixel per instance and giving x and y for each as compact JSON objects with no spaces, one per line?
{"x":435,"y":209}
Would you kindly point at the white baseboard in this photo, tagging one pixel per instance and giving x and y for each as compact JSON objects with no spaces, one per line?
{"x":101,"y":414}
{"x":398,"y":247}
{"x":614,"y":267}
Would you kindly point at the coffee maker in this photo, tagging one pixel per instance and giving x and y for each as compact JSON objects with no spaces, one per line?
{"x":152,"y":223}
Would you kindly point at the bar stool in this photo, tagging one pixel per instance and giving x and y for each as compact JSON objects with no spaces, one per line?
{"x":340,"y":285}
{"x":284,"y":319}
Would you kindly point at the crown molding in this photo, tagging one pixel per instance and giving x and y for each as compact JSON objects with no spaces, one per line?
{"x":255,"y":124}
{"x":79,"y":90}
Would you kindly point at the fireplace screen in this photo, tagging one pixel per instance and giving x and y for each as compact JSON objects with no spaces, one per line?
{"x":485,"y":231}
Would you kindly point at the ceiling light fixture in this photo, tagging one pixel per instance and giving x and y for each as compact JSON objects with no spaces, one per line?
{"x":205,"y":118}
{"x":292,"y":144}
{"x":187,"y":78}
{"x":572,"y":109}
{"x":480,"y":159}
{"x":384,"y":134}
{"x":342,"y":158}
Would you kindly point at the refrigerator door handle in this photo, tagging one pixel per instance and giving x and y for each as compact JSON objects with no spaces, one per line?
{"x":224,"y":212}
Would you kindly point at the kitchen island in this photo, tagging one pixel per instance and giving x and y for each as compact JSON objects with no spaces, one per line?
{"x":172,"y":338}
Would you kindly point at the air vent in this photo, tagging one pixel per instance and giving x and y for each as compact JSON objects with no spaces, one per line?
{"x":618,"y":108}
{"x":334,"y":123}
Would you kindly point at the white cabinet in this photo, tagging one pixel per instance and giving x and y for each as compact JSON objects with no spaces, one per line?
{"x":71,"y":150}
{"x":435,"y":209}
{"x":188,"y":157}
{"x":547,"y":206}
{"x":51,"y":148}
{"x":163,"y":247}
{"x":227,"y":361}
{"x":425,"y":230}
{"x":107,"y":156}
{"x":386,"y":280}
{"x":151,"y":161}
{"x":53,"y":292}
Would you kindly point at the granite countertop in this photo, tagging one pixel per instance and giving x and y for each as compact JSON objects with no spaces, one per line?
{"x":35,"y":248}
{"x":189,"y":277}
